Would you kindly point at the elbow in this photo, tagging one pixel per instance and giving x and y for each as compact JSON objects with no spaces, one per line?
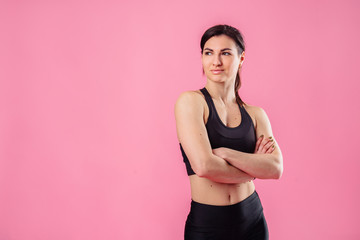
{"x":202,"y":169}
{"x":278,"y":171}
{"x":207,"y":166}
{"x":200,"y":173}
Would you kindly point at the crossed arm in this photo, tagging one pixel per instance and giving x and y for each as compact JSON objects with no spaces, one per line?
{"x":261,"y":164}
{"x":223,"y":164}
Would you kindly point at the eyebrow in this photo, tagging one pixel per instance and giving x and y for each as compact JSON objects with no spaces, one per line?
{"x":224,"y":49}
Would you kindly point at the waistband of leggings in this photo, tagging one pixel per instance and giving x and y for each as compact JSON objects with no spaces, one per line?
{"x":242,"y":203}
{"x":241,"y":213}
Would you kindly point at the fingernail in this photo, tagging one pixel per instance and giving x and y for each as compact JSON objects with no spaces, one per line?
{"x":273,"y":146}
{"x":270,"y":137}
{"x":261,"y":135}
{"x":271,"y":140}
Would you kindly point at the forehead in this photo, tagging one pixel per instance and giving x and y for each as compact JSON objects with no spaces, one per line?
{"x":220,"y":42}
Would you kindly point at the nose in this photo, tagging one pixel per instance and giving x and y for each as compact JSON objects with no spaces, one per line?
{"x":216,"y":60}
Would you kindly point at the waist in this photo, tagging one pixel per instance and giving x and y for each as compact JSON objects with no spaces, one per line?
{"x":206,"y":191}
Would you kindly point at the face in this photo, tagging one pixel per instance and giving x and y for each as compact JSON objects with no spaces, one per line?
{"x":220,"y":54}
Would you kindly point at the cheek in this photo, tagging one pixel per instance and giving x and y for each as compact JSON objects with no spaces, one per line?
{"x":235,"y":66}
{"x":206,"y":64}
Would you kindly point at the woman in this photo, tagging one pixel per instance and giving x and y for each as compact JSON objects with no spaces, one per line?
{"x":225,"y":144}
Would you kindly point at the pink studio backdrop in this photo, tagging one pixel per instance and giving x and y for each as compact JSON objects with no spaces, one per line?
{"x":88,"y":146}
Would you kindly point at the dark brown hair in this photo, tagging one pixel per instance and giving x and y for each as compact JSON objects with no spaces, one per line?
{"x":240,"y":45}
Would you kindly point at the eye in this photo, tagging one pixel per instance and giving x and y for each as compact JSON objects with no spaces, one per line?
{"x":227,"y":53}
{"x":206,"y":53}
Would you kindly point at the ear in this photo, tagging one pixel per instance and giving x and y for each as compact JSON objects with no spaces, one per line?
{"x":242,"y":57}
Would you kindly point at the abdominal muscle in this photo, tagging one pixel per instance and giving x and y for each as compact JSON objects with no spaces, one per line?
{"x":204,"y":190}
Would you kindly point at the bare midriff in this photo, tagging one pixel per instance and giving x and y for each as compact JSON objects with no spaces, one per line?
{"x":204,"y":190}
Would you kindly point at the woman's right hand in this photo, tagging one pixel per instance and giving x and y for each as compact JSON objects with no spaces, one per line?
{"x":264,"y":145}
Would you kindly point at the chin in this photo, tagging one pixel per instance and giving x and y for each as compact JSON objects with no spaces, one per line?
{"x":215,"y":81}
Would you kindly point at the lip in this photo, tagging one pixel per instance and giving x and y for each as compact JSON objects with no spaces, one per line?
{"x":218,"y":71}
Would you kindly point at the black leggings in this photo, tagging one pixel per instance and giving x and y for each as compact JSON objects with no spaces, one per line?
{"x":244,"y":220}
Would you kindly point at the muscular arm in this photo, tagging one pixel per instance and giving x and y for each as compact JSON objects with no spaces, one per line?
{"x":218,"y":170}
{"x":192,"y":134}
{"x":262,"y":166}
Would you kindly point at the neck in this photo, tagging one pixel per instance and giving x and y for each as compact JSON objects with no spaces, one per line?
{"x":223,"y":92}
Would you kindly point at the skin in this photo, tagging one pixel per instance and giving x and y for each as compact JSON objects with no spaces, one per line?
{"x":216,"y":182}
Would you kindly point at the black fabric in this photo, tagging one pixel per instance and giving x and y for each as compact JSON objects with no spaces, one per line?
{"x":241,"y":138}
{"x":241,"y":221}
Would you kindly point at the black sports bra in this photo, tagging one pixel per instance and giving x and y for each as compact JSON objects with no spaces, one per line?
{"x":241,"y":138}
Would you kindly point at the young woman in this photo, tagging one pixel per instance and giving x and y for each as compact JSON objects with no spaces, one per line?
{"x":225,"y":144}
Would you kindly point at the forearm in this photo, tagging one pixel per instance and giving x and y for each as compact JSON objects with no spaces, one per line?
{"x":218,"y":170}
{"x":262,"y":166}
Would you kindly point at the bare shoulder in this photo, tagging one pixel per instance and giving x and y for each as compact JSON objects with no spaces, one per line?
{"x":255,"y":112}
{"x":262,"y":122}
{"x":191,"y":130}
{"x":191,"y":98}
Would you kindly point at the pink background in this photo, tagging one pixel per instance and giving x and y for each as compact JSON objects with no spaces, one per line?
{"x":88,"y":146}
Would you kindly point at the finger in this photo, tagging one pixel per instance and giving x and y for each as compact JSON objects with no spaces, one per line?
{"x":271,"y":149}
{"x":263,"y":144}
{"x":268,"y":145}
{"x":258,"y":143}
